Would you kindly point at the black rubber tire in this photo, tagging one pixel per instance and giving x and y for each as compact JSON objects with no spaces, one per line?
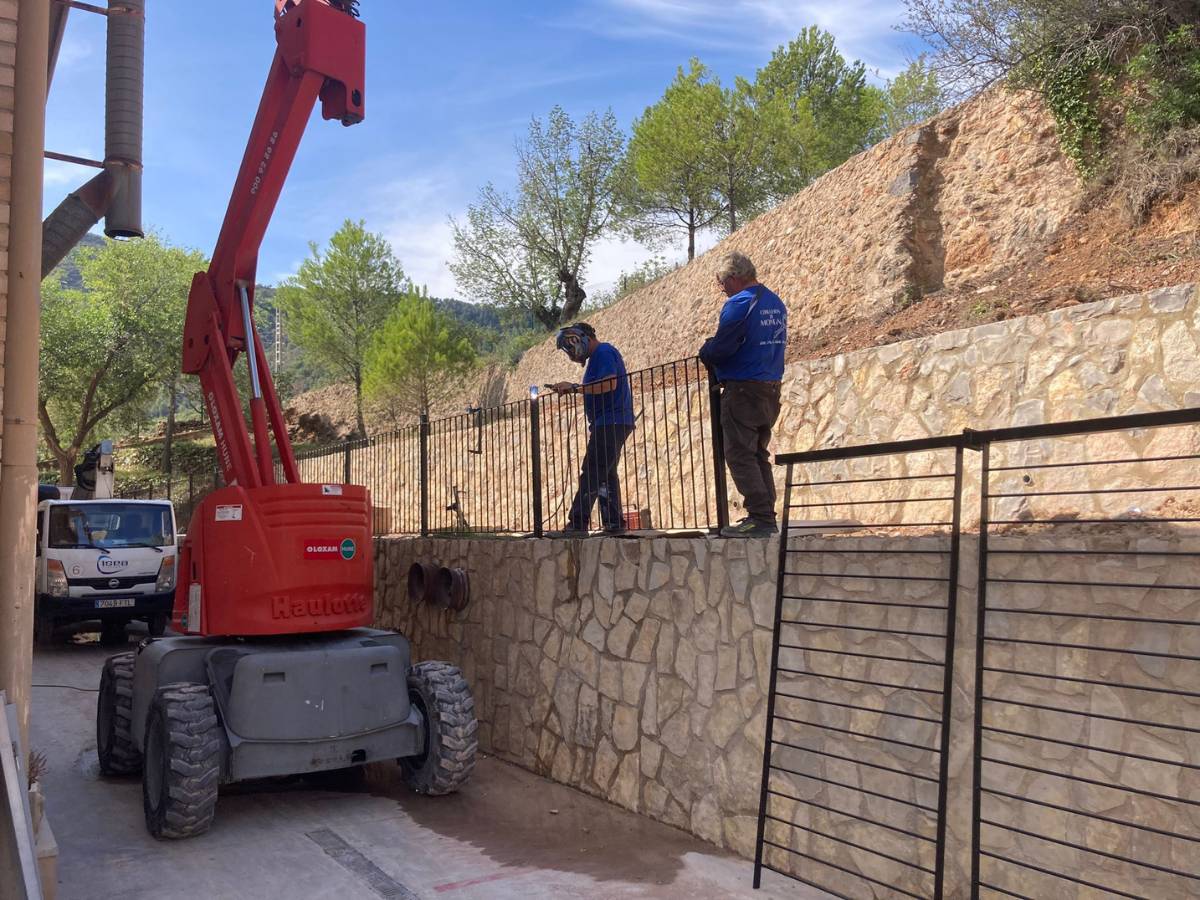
{"x":439,"y":691}
{"x":157,"y":624}
{"x":113,"y":632}
{"x":43,"y":631}
{"x":119,"y":755}
{"x":182,"y":767}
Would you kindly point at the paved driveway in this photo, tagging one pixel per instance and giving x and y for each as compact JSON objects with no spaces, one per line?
{"x":509,"y":833}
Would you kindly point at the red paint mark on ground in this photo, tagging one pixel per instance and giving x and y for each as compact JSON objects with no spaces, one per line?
{"x":471,"y":882}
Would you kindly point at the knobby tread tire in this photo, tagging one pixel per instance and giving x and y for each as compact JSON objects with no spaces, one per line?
{"x":188,"y":736}
{"x":442,"y":694}
{"x":118,"y":753}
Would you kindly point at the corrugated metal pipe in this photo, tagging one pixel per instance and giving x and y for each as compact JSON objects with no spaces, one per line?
{"x":116,"y":193}
{"x":73,"y":218}
{"x":126,"y":64}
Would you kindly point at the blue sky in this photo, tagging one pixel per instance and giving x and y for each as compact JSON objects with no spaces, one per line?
{"x":450,"y":86}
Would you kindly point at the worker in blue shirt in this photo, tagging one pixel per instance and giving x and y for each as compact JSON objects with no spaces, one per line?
{"x":608,"y":408}
{"x":746,"y":355}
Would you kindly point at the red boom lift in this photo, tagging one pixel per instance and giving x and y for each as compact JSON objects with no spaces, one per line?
{"x":275,"y":671}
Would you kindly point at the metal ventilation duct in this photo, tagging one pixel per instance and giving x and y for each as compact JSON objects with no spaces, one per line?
{"x":116,"y":193}
{"x":123,"y":115}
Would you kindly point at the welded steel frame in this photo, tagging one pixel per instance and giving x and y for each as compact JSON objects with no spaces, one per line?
{"x":940,"y":749}
{"x":983,"y":884}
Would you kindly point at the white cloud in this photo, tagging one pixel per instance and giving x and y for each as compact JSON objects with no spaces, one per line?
{"x":865,"y":29}
{"x":58,"y":174}
{"x":613,"y":256}
{"x":424,"y":247}
{"x":411,"y":213}
{"x":74,"y":50}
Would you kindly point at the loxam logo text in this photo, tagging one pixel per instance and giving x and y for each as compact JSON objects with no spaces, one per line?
{"x":327,"y":548}
{"x":298,"y":607}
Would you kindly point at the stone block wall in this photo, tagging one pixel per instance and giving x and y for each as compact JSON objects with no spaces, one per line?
{"x":635,"y":670}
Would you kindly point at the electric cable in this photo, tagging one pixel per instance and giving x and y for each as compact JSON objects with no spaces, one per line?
{"x":68,"y":687}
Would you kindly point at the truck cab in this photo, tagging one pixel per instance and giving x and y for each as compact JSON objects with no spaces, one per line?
{"x":104,"y":561}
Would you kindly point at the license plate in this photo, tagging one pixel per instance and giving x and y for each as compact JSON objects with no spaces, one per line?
{"x":114,"y":602}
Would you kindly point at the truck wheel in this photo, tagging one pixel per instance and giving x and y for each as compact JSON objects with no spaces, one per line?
{"x":157,"y":624}
{"x":114,"y":718}
{"x":43,"y":631}
{"x":182,"y":766}
{"x":439,"y":691}
{"x":113,"y":632}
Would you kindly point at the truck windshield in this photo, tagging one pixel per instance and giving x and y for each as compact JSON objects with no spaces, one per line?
{"x":110,"y":525}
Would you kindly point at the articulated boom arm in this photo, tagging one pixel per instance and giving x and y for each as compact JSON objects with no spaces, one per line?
{"x":321,"y":54}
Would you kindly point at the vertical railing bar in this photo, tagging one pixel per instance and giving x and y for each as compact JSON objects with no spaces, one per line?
{"x":423,"y":473}
{"x":660,"y":454}
{"x":569,"y":439}
{"x":718,"y":454}
{"x":691,"y":444}
{"x":673,"y":453}
{"x":519,"y":471}
{"x":510,"y":447}
{"x":980,"y":626}
{"x":513,"y":472}
{"x":535,"y":462}
{"x":766,"y":766}
{"x":501,"y":450}
{"x":632,"y":479}
{"x":660,"y":422}
{"x":704,"y":451}
{"x":641,"y":489}
{"x":948,"y":676}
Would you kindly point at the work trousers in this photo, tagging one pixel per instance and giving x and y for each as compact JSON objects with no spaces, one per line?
{"x":598,"y":478}
{"x":748,"y":413}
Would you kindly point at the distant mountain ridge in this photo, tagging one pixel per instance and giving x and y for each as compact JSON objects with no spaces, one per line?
{"x":69,"y":267}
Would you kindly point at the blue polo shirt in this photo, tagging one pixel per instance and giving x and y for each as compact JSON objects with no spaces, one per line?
{"x":751,"y":338}
{"x":613,"y":407}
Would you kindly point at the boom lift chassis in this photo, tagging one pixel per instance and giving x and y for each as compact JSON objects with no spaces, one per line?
{"x":274,"y":671}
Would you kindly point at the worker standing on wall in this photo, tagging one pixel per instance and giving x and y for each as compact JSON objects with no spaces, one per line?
{"x":608,"y":408}
{"x":746,"y":355}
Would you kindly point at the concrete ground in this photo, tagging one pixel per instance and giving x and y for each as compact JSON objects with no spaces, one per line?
{"x":509,"y":833}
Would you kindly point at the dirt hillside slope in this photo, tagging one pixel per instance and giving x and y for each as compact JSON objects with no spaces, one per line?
{"x":973,"y":216}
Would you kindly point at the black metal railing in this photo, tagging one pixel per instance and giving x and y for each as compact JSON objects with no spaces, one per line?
{"x":390,"y":464}
{"x":664,"y":467}
{"x":858,"y":713}
{"x":184,"y":491}
{"x":1086,"y":726}
{"x":515,"y":468}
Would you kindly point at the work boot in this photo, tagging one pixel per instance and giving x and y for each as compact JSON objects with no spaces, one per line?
{"x":569,"y":533}
{"x":750,"y":528}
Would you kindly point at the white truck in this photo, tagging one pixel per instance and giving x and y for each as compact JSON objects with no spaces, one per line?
{"x":102,"y":560}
